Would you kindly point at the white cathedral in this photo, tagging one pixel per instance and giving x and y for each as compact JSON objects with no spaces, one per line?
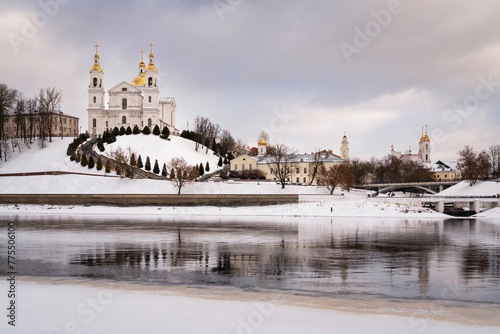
{"x":138,"y":103}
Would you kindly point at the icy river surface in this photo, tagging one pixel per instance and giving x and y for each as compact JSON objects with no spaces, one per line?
{"x":456,"y":260}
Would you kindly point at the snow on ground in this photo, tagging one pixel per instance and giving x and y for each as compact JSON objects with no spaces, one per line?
{"x":54,"y":306}
{"x":481,"y":188}
{"x":164,"y":150}
{"x":490,"y":214}
{"x":36,"y":159}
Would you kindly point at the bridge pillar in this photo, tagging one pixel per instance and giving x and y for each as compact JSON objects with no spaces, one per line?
{"x":441,"y":188}
{"x":440,"y":206}
{"x":475,"y":206}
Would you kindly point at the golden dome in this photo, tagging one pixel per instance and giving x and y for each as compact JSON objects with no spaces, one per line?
{"x":140,"y":80}
{"x":96,"y":55}
{"x":96,"y":67}
{"x":142,"y":64}
{"x":151,"y":66}
{"x":151,"y":55}
{"x":262,"y":141}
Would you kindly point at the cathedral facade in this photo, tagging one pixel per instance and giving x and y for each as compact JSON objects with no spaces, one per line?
{"x":424,"y":150}
{"x":129,"y":104}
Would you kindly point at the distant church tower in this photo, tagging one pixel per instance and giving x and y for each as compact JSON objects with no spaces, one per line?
{"x":262,"y":145}
{"x":96,"y":96}
{"x":344,"y":148}
{"x":424,"y":147}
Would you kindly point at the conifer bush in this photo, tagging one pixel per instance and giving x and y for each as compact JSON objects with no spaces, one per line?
{"x":156,"y":130}
{"x":146,"y":130}
{"x":136,"y":130}
{"x":207,"y":167}
{"x":91,"y":163}
{"x":147,"y":166}
{"x":220,"y":162}
{"x":156,"y":168}
{"x":164,"y":172}
{"x":99,"y":164}
{"x":84,"y":161}
{"x":128,"y":131}
{"x":201,"y":170}
{"x":139,"y":162}
{"x":122,"y":131}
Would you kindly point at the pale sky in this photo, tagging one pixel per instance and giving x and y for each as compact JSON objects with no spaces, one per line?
{"x":304,"y":71}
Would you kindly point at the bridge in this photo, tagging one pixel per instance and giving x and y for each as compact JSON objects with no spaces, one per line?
{"x":428,"y":187}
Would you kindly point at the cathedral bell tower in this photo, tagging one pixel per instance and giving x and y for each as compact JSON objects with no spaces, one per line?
{"x":96,"y":96}
{"x":344,"y":148}
{"x":424,"y":147}
{"x":262,"y":145}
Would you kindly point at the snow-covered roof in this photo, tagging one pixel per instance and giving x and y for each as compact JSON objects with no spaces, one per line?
{"x":166,"y":99}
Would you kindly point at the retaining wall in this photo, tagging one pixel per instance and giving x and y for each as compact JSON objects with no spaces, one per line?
{"x":148,"y":199}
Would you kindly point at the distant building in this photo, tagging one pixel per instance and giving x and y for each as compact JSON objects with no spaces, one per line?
{"x":130,"y":104}
{"x":424,"y":150}
{"x":62,"y":125}
{"x":300,"y":174}
{"x":446,"y":171}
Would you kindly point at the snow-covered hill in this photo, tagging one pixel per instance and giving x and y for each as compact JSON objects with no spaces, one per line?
{"x":164,"y":150}
{"x":481,"y":188}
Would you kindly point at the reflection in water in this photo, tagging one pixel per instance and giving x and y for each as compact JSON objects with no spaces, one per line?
{"x":342,"y":256}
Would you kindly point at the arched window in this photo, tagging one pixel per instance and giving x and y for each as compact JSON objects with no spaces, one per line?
{"x":94,"y":123}
{"x":95,"y":82}
{"x":150,"y":123}
{"x":95,"y":99}
{"x":124,"y":119}
{"x":426,"y":146}
{"x":124,"y":104}
{"x":426,"y":157}
{"x":150,"y":81}
{"x":150,"y":99}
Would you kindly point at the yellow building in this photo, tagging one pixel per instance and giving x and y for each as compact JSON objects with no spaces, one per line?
{"x":303,"y":163}
{"x":62,"y":125}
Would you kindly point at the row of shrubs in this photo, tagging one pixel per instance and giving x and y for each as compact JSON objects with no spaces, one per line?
{"x":110,"y":137}
{"x":253,"y":174}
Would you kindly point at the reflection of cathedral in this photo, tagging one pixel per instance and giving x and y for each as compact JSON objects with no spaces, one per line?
{"x":424,"y":150}
{"x":132,"y":104}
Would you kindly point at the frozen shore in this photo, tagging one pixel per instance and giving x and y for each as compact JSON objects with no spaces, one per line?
{"x":70,"y":306}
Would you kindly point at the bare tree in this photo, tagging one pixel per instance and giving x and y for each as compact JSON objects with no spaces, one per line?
{"x":120,"y":157}
{"x":495,"y":160}
{"x":49,"y":100}
{"x":474,"y":165}
{"x":201,"y":127}
{"x":8,"y":98}
{"x":226,"y":142}
{"x":315,"y":166}
{"x":31,"y":109}
{"x":212,"y":135}
{"x":182,"y":173}
{"x":282,"y":161}
{"x":240,"y":147}
{"x":331,"y":177}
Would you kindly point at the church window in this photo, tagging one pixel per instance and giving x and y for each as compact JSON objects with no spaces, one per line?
{"x":426,"y":146}
{"x":426,"y":157}
{"x":150,"y":81}
{"x":305,"y":170}
{"x":106,"y":124}
{"x":94,"y":123}
{"x":124,"y":119}
{"x":124,"y":104}
{"x":124,"y":89}
{"x":150,"y":122}
{"x":95,"y":82}
{"x":297,"y":170}
{"x":95,"y":99}
{"x":100,"y":82}
{"x":150,"y":99}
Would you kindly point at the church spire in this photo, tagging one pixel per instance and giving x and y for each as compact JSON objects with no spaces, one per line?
{"x":151,"y":59}
{"x":96,"y":61}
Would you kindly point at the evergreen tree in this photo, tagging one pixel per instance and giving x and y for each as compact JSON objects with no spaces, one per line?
{"x":118,"y":170}
{"x":122,"y":131}
{"x":128,"y":131}
{"x":225,"y":161}
{"x":70,"y":150}
{"x":220,"y":162}
{"x":84,"y":161}
{"x":146,"y":130}
{"x":139,"y":162}
{"x":108,"y":167}
{"x":156,"y":168}
{"x":115,"y":132}
{"x":164,"y":170}
{"x":156,"y":130}
{"x":136,"y":130}
{"x":91,"y":163}
{"x":201,"y":170}
{"x":207,"y":167}
{"x":77,"y":158}
{"x":165,"y":132}
{"x":133,"y":163}
{"x":99,"y":164}
{"x":147,"y":166}
{"x":100,"y":144}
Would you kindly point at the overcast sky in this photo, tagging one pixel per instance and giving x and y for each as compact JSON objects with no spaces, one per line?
{"x":304,"y":71}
